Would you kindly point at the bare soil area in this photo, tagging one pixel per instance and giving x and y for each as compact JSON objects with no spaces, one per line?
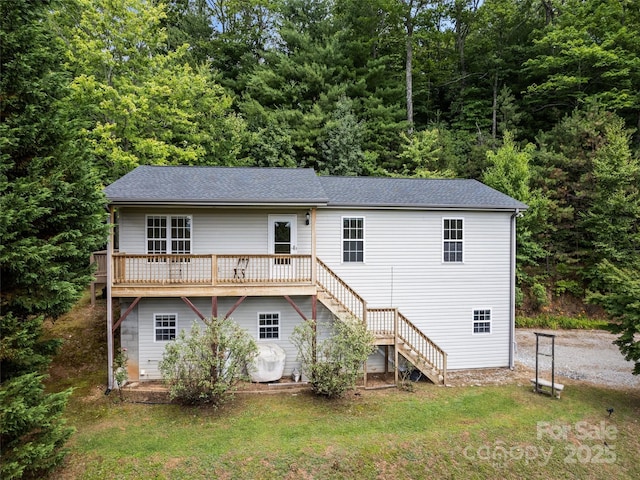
{"x":580,"y":356}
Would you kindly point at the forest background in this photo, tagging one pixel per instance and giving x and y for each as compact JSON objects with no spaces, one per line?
{"x":539,"y":99}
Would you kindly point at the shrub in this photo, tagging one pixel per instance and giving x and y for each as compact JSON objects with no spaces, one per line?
{"x":335,"y":364}
{"x":205,"y":365}
{"x":555,"y":322}
{"x":539,"y":293}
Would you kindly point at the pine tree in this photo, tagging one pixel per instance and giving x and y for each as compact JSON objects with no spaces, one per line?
{"x":51,"y":218}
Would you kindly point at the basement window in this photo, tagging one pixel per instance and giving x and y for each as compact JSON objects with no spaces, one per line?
{"x":482,"y":321}
{"x":165,"y":326}
{"x":269,"y":326}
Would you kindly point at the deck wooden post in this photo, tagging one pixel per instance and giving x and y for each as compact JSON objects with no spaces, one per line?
{"x":92,"y":259}
{"x":214,"y":307}
{"x":214,"y":270}
{"x":386,"y":360}
{"x":395,"y":344}
{"x":314,"y":263}
{"x":110,"y":301}
{"x":365,"y":374}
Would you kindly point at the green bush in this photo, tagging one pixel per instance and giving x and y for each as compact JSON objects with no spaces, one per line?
{"x":204,"y":366}
{"x":334,"y":365}
{"x":539,"y":293}
{"x":555,"y":322}
{"x":571,"y":286}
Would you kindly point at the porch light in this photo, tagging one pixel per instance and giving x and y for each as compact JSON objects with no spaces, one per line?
{"x":307,"y":218}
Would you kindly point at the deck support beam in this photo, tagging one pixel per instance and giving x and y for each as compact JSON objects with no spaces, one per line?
{"x":126,"y":314}
{"x":194,"y":308}
{"x":235,"y":305}
{"x":214,"y":307}
{"x":295,"y":307}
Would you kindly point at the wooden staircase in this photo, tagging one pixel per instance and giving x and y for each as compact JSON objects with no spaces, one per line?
{"x":388,"y":325}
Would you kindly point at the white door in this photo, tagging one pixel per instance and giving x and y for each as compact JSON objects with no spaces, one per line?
{"x":283,"y":242}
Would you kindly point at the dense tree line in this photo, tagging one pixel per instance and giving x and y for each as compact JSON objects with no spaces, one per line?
{"x":538,"y":98}
{"x":546,"y":91}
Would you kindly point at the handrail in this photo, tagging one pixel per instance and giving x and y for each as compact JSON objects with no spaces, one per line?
{"x":338,"y":289}
{"x":383,"y":321}
{"x":422,"y":345}
{"x":100,"y":259}
{"x":207,"y":269}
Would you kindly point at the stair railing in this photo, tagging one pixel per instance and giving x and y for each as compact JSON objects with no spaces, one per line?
{"x":382,"y":320}
{"x":422,"y":345}
{"x":337,"y":288}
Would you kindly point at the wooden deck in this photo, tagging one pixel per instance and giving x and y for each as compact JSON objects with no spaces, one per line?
{"x":140,"y":275}
{"x":204,"y":275}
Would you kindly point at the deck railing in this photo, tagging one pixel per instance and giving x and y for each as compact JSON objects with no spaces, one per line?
{"x":381,"y":321}
{"x":203,"y":269}
{"x":100,"y":260}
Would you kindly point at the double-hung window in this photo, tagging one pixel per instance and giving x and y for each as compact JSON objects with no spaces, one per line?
{"x":165,"y":326}
{"x":269,"y":326}
{"x":482,"y":320}
{"x":168,"y":234}
{"x":353,"y":239}
{"x":452,"y":239}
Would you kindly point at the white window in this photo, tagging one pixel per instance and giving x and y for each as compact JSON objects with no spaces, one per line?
{"x":269,"y":326}
{"x":482,"y":321}
{"x":168,"y":234}
{"x":353,"y":239}
{"x":165,"y":326}
{"x":452,"y":239}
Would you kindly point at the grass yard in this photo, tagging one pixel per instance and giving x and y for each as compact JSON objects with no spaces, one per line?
{"x":434,"y":432}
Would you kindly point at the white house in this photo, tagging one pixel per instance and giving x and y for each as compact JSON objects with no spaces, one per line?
{"x":429,"y":265}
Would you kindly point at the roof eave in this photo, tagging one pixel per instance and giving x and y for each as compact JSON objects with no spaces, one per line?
{"x":203,"y":203}
{"x":491,"y":208}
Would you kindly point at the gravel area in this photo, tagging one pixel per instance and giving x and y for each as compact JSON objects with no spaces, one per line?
{"x":580,"y":356}
{"x":585,"y":355}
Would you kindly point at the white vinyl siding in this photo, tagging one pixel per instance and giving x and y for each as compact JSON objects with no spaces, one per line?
{"x":213,"y":231}
{"x":404,"y":270}
{"x":353,"y":239}
{"x":245,"y":315}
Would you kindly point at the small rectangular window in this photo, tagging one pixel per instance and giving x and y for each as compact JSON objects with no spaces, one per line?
{"x":166,"y":326}
{"x":482,"y":321}
{"x":452,"y":239}
{"x":353,"y":239}
{"x":268,"y":326}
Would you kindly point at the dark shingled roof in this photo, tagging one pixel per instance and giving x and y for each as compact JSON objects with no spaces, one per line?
{"x":415,"y":192}
{"x":298,"y":186}
{"x":217,"y":185}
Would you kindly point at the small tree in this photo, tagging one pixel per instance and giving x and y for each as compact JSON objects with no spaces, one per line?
{"x":621,"y":300}
{"x":204,"y":366}
{"x":334,"y":365}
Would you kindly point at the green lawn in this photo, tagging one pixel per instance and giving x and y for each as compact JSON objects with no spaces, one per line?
{"x":434,"y":432}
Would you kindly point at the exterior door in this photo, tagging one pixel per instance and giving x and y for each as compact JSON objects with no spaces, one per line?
{"x":283,"y":243}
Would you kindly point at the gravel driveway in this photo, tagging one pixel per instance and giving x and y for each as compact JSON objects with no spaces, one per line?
{"x":586,"y":355}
